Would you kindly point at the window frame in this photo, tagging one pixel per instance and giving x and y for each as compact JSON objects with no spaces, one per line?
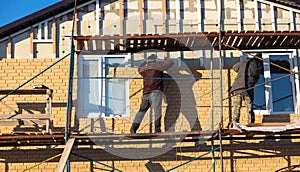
{"x":103,"y":93}
{"x":293,"y":55}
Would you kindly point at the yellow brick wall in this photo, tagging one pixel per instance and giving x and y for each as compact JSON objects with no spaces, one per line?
{"x":244,"y":156}
{"x":238,"y":155}
{"x":15,"y":72}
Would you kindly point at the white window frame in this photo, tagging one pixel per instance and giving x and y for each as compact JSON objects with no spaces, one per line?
{"x":295,"y":81}
{"x":45,"y":28}
{"x":80,"y":91}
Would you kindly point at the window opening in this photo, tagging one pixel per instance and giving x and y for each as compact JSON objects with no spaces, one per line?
{"x":101,"y":93}
{"x":278,"y":94}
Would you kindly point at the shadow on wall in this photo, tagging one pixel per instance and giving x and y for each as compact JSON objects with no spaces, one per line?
{"x":180,"y":97}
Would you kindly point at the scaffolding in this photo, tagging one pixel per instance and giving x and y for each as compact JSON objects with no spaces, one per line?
{"x":232,"y":40}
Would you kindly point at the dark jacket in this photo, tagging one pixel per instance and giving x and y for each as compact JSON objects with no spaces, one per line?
{"x":248,"y":76}
{"x":152,"y":72}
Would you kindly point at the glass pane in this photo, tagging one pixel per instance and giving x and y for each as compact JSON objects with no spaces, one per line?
{"x":115,"y":88}
{"x":282,"y":98}
{"x":91,"y":99}
{"x":116,"y":94}
{"x":259,"y":95}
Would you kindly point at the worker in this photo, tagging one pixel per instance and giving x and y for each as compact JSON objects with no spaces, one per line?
{"x":248,"y":72}
{"x":152,"y":72}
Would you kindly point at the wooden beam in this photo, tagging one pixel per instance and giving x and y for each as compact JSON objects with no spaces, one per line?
{"x":163,"y":10}
{"x":64,"y":157}
{"x":26,"y":92}
{"x":9,"y":47}
{"x":25,"y":116}
{"x":121,"y":16}
{"x":31,"y":49}
{"x":269,"y":124}
{"x":141,"y":7}
{"x":256,"y":15}
{"x":53,"y":37}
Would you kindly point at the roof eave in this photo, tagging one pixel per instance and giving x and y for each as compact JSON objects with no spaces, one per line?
{"x":36,"y":17}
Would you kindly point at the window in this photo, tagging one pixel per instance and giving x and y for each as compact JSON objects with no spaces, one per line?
{"x":43,"y":32}
{"x":278,"y":94}
{"x":100,"y":92}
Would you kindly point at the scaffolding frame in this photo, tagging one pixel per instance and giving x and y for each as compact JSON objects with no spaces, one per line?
{"x":218,"y":42}
{"x":218,"y":135}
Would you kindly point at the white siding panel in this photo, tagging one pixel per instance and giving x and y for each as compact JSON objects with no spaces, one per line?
{"x":21,"y":44}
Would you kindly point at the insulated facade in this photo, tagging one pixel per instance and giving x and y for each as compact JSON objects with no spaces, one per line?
{"x":107,"y":87}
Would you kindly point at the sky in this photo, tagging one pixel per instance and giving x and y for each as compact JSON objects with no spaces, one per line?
{"x":12,"y":10}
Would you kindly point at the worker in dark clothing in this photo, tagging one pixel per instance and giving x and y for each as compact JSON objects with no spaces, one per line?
{"x":152,"y":72}
{"x":248,"y":75}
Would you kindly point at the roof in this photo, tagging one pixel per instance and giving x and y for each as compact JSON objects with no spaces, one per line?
{"x":290,"y":3}
{"x":38,"y":16}
{"x":190,"y":41}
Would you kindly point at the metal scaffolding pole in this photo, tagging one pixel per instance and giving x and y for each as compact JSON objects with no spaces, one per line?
{"x":220,"y":25}
{"x":70,"y":88}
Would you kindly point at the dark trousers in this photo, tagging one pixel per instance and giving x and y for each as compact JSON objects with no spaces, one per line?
{"x":154,"y":99}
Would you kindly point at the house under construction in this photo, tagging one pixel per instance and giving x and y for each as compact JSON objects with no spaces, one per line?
{"x":70,"y":86}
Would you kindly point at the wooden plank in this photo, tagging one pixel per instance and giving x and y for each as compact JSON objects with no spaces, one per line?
{"x":230,"y":40}
{"x":141,"y":10}
{"x":25,"y":122}
{"x":237,"y":41}
{"x":26,"y":92}
{"x":290,"y":41}
{"x":265,"y":40}
{"x":107,"y":45}
{"x":65,"y":155}
{"x":271,"y":124}
{"x":251,"y":41}
{"x":257,"y":41}
{"x":271,"y":40}
{"x":142,"y":44}
{"x":25,"y":116}
{"x":99,"y":44}
{"x":225,"y":38}
{"x":279,"y":41}
{"x":116,"y":45}
{"x":246,"y":39}
{"x":295,"y":41}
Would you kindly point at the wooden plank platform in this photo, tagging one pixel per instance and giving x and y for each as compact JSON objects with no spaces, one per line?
{"x":193,"y":41}
{"x":37,"y":120}
{"x":65,"y":155}
{"x":37,"y":139}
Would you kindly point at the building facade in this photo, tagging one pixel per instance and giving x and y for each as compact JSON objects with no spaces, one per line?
{"x":107,"y":87}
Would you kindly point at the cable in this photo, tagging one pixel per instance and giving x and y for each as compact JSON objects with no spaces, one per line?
{"x":20,"y":86}
{"x":274,"y":64}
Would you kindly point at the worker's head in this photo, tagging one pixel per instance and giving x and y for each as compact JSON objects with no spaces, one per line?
{"x":152,"y":58}
{"x":258,"y":58}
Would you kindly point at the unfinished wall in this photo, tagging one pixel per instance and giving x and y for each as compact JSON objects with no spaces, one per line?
{"x":17,"y":71}
{"x":261,"y":155}
{"x":177,"y":17}
{"x":21,"y":45}
{"x":243,"y":155}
